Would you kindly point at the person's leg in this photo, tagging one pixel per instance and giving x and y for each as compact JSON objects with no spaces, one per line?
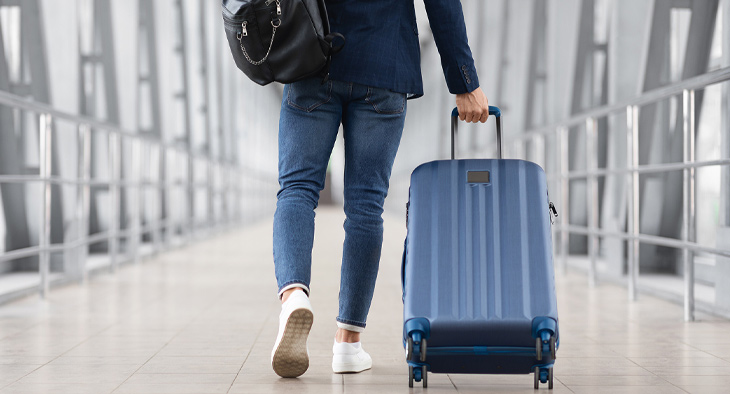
{"x":373,"y":125}
{"x":310,"y":118}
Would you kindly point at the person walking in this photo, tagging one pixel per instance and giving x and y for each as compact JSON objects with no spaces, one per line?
{"x":370,"y":82}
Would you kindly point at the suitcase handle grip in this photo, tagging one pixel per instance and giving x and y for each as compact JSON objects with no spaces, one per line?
{"x":455,"y":128}
{"x":492,"y":111}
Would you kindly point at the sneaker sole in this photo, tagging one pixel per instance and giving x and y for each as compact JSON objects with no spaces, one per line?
{"x":350,"y":368}
{"x":291,"y":358}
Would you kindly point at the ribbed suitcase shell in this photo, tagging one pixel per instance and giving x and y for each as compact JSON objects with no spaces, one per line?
{"x":478,"y":263}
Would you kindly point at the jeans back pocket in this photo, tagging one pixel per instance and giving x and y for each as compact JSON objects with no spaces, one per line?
{"x":308,"y":94}
{"x":385,"y":101}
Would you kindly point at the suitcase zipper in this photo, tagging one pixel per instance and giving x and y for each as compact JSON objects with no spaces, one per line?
{"x":553,"y":212}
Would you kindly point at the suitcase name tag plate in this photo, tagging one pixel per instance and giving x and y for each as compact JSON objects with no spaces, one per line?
{"x":478,"y":177}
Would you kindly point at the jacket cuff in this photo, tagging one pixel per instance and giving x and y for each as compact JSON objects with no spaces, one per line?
{"x":463,"y":79}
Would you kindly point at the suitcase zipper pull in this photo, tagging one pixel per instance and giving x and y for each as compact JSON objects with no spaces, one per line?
{"x":553,"y":212}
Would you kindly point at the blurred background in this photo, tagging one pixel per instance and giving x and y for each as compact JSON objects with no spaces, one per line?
{"x":126,"y":130}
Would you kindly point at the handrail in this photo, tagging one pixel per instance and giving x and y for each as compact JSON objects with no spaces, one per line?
{"x":57,"y":180}
{"x":645,"y":238}
{"x":643,"y":169}
{"x":225,"y":181}
{"x":649,"y":97}
{"x":630,"y":173}
{"x":20,"y":102}
{"x":15,"y":101}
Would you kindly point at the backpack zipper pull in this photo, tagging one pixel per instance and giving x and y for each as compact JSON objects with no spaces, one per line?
{"x":278,"y":5}
{"x":245,"y":31}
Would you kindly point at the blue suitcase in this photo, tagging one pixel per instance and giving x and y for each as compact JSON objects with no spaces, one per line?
{"x":478,"y":280}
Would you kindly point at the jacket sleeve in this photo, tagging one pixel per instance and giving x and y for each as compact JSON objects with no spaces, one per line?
{"x":449,"y":31}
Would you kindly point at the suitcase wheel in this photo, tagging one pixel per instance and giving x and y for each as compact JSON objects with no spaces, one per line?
{"x":410,"y":376}
{"x":418,"y":374}
{"x":419,"y":347}
{"x":409,"y":349}
{"x":423,"y":350}
{"x":543,"y":375}
{"x":552,"y":346}
{"x":550,"y":378}
{"x":540,"y":343}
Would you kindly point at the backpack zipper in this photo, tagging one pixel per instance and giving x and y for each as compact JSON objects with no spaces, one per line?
{"x":278,"y":5}
{"x":234,"y":21}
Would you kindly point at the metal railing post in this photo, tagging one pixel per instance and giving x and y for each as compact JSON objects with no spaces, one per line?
{"x":230,"y":208}
{"x":237,"y":196}
{"x":688,"y":205}
{"x":45,"y":171}
{"x":218,"y":201}
{"x":192,"y":189}
{"x":168,"y":222}
{"x":113,"y":201}
{"x":564,"y":197}
{"x":87,"y":197}
{"x":137,"y":193}
{"x":163,"y":208}
{"x":210,"y":179}
{"x":153,"y":177}
{"x":592,"y":196}
{"x":149,"y":207}
{"x":183,"y":184}
{"x":632,"y":149}
{"x":83,"y":206}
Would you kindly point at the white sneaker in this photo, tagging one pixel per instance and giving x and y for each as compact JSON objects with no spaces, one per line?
{"x":350,"y":357}
{"x":290,"y":357}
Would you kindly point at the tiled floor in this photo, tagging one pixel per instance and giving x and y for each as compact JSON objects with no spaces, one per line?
{"x":202,"y":320}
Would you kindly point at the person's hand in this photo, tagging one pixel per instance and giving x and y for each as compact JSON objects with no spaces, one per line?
{"x":473,"y":107}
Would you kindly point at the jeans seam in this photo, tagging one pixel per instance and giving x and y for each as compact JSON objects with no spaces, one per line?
{"x":395,"y":112}
{"x":313,"y":106}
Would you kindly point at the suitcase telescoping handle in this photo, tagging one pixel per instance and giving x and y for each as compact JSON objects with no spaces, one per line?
{"x":455,"y":128}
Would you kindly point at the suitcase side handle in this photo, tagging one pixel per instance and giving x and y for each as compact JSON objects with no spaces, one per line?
{"x":455,"y":128}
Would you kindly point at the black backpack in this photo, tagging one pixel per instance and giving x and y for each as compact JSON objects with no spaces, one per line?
{"x":280,"y":40}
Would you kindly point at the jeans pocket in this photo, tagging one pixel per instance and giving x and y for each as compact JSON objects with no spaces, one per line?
{"x":385,"y":101}
{"x":308,"y":94}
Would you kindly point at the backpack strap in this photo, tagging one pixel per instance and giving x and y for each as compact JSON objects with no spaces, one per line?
{"x":330,"y":39}
{"x":331,"y":50}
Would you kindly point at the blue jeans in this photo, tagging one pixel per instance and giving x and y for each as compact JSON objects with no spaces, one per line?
{"x":372,"y":119}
